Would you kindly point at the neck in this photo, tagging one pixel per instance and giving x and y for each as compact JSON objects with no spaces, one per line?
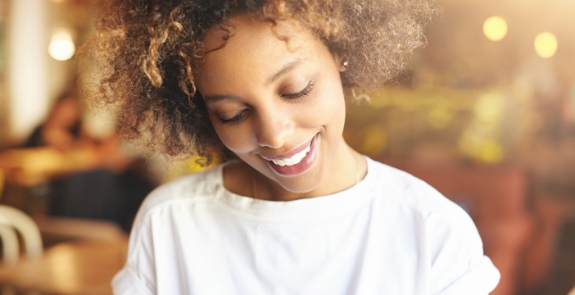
{"x":348,"y":167}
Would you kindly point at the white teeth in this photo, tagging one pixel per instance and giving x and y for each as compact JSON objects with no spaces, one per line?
{"x":293,"y":160}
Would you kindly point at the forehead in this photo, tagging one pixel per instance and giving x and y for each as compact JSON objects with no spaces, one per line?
{"x":255,"y":48}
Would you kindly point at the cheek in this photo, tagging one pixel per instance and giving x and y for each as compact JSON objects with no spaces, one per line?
{"x":328,"y":109}
{"x":237,"y":139}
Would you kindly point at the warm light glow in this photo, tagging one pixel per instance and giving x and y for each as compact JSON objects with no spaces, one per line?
{"x":491,"y":152}
{"x":439,"y":117}
{"x":61,"y":45}
{"x":374,"y":140}
{"x":546,"y":44}
{"x":495,"y":28}
{"x":480,"y":139}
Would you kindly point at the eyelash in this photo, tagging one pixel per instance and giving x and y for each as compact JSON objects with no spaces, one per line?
{"x":288,"y":96}
{"x":304,"y":92}
{"x":233,"y":119}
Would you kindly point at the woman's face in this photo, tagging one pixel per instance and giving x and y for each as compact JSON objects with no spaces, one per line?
{"x":275,"y":99}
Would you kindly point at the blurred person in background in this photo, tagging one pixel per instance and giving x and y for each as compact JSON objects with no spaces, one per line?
{"x":106,"y":185}
{"x":62,"y":127}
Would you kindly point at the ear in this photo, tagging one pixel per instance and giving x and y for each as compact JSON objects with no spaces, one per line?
{"x":341,"y":60}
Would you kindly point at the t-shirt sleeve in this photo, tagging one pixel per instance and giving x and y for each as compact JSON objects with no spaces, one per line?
{"x":138,"y":277}
{"x":458,"y":265}
{"x":128,"y":282}
{"x":479,"y":280}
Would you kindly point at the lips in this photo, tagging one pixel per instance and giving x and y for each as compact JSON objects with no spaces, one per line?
{"x":297,"y":161}
{"x":293,"y":160}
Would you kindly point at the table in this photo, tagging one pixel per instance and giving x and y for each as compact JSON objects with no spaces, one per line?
{"x":70,"y":268}
{"x":31,"y":166}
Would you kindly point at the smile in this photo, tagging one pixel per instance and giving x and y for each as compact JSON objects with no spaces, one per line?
{"x":297,"y":161}
{"x":293,"y":160}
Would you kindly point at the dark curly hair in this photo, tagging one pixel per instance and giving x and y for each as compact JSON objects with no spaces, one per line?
{"x":144,"y":57}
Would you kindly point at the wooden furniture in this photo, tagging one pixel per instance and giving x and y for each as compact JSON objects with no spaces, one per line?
{"x":86,"y":253}
{"x":35,"y":165}
{"x":2,"y":176}
{"x":72,"y":268}
{"x":64,"y":229}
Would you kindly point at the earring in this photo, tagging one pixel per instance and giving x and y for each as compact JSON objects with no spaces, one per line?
{"x":344,"y":64}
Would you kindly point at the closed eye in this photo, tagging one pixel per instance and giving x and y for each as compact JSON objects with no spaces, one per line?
{"x":300,"y":94}
{"x":287,"y":96}
{"x":235,"y":118}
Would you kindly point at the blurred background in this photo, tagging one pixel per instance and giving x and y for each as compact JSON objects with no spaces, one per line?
{"x":486,"y":115}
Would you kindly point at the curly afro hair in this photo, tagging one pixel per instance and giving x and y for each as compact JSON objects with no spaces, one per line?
{"x":144,"y":57}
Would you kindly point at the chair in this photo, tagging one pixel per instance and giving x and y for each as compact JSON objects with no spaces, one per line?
{"x":25,"y":226}
{"x":9,"y":244}
{"x":14,"y":221}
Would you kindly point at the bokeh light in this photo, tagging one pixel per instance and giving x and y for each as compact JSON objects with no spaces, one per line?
{"x":546,"y":44}
{"x":495,"y":28}
{"x":439,"y":117}
{"x":374,"y":140}
{"x":61,"y":45}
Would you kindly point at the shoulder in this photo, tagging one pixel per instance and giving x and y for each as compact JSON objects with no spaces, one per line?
{"x":193,"y":188}
{"x":155,"y":227}
{"x":451,"y":239}
{"x":438,"y":212}
{"x":402,"y":187}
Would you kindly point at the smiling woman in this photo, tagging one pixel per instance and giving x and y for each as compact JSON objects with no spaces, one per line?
{"x":148,"y":54}
{"x":299,"y":211}
{"x":287,"y":99}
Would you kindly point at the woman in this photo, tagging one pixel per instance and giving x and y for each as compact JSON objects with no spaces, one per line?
{"x":97,"y":180}
{"x":298,"y":211}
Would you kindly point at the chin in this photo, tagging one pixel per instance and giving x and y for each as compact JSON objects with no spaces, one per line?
{"x":302,"y":184}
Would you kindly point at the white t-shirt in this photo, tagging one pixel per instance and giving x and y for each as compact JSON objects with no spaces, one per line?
{"x":389,"y":234}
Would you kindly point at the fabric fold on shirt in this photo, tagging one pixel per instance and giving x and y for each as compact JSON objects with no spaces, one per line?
{"x":479,"y":280}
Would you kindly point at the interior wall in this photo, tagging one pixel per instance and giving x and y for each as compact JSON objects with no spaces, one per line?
{"x":3,"y":58}
{"x":34,"y":79}
{"x":27,"y":66}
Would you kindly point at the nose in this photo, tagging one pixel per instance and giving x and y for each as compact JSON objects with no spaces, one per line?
{"x":273,"y":127}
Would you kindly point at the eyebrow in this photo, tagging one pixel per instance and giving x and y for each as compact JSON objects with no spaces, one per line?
{"x":219,"y":97}
{"x":288,"y":67}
